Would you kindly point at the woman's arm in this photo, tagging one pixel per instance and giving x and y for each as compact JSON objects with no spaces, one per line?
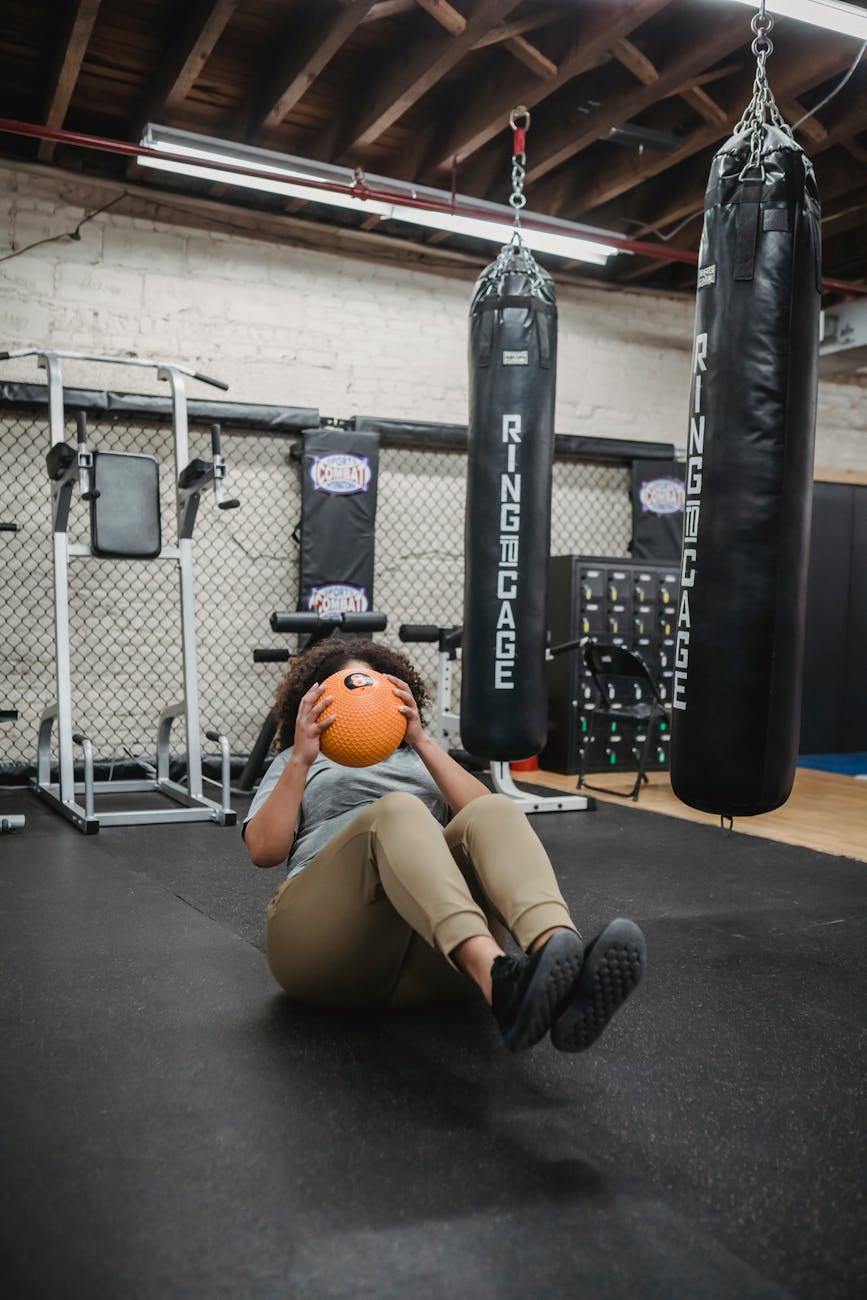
{"x":456,"y":785}
{"x":271,"y":833}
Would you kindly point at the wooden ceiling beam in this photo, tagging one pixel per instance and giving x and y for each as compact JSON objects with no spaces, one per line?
{"x":488,"y":112}
{"x":415,"y":71}
{"x":308,"y":52}
{"x":707,"y":107}
{"x":75,"y":40}
{"x":623,"y":173}
{"x":388,"y":9}
{"x":645,"y":71}
{"x":811,"y":128}
{"x":635,"y":62}
{"x":705,"y":79}
{"x":858,"y":152}
{"x":445,"y":14}
{"x":518,"y":27}
{"x":850,"y":117}
{"x":563,"y":145}
{"x":183,"y":63}
{"x":531,"y":57}
{"x":845,"y":213}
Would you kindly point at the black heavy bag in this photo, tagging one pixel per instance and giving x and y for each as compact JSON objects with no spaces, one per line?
{"x":736,"y":690}
{"x":510,"y":450}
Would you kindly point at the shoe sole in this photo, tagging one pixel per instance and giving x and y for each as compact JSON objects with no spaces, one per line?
{"x":552,"y":979}
{"x":612,"y":970}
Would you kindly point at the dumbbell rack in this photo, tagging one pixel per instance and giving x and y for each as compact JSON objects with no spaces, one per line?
{"x":68,"y":467}
{"x":625,"y":602}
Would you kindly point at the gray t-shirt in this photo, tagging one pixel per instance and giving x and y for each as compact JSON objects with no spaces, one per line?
{"x":334,"y":795}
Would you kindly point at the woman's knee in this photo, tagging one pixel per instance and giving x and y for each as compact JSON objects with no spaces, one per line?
{"x":398,"y":805}
{"x":493,"y":808}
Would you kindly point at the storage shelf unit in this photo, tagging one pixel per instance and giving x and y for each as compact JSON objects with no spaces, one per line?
{"x":632,"y":603}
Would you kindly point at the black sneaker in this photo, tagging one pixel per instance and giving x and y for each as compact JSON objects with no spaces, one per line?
{"x":526,"y":991}
{"x":613,"y":966}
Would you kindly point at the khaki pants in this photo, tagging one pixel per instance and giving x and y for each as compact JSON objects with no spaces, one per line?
{"x":373,"y":917}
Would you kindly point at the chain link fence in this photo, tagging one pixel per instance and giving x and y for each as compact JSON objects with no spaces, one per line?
{"x":125,"y":615}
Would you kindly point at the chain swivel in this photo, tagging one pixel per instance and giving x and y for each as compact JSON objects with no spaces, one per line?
{"x":762,"y":107}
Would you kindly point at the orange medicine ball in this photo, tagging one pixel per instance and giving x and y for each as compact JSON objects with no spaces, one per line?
{"x":369,"y":723}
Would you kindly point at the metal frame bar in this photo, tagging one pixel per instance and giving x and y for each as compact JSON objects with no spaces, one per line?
{"x":448,"y":724}
{"x":501,"y":776}
{"x":191,"y":804}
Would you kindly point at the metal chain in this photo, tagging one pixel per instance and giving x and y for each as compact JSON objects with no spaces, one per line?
{"x":516,"y":256}
{"x":518,"y":199}
{"x":762,"y":107}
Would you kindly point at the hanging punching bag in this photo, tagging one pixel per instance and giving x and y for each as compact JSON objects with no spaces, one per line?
{"x":740,"y":629}
{"x":510,"y":450}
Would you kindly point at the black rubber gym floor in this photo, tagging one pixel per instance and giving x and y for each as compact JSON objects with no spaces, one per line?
{"x":173,"y":1127}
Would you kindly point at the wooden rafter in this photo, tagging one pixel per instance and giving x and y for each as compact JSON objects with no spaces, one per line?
{"x":705,"y":105}
{"x":488,"y":111}
{"x":858,"y":151}
{"x":706,"y":78}
{"x":845,"y":213}
{"x":634,"y":61}
{"x":445,"y":14}
{"x":305,"y":58}
{"x":531,"y":57}
{"x":388,"y":9}
{"x":415,"y":71}
{"x":646,"y":72}
{"x":811,"y":128}
{"x":518,"y":27}
{"x":69,"y":63}
{"x":566,"y":143}
{"x":792,"y":77}
{"x":184,"y":62}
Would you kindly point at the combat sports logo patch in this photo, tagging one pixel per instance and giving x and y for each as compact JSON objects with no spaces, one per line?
{"x":338,"y":598}
{"x":662,"y":496}
{"x":340,"y":473}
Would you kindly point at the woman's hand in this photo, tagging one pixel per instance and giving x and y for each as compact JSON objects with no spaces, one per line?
{"x":408,"y":707}
{"x":308,"y":727}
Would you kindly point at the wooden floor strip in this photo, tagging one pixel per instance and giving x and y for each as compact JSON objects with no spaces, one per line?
{"x":826,"y":811}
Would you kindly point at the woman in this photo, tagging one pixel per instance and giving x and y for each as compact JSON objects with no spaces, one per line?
{"x":405,"y":878}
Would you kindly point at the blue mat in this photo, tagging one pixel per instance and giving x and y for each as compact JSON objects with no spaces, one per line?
{"x":848,"y":764}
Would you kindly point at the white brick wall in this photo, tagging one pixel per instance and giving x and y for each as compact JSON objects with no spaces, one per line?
{"x":315,"y":329}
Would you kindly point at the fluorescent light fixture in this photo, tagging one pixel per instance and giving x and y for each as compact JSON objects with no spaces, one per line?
{"x":432,"y":209}
{"x":834,"y":15}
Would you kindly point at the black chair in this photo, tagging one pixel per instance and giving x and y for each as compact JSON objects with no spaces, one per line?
{"x":627,"y":691}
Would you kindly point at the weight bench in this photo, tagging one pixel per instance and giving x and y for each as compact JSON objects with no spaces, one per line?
{"x":316,"y":627}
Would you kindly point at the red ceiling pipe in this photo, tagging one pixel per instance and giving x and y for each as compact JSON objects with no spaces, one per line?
{"x":361,"y":190}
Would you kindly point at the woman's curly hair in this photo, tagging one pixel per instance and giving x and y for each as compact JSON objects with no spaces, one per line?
{"x":325,"y":658}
